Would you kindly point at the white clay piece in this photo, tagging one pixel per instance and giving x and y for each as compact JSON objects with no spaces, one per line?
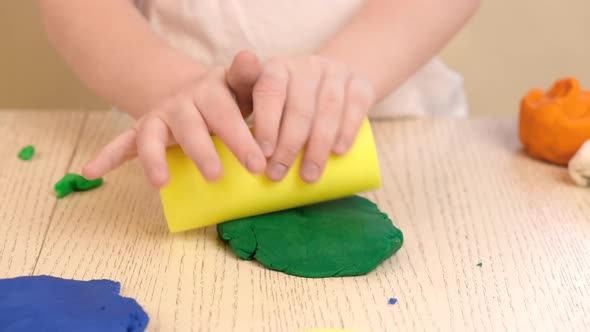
{"x":579,"y":166}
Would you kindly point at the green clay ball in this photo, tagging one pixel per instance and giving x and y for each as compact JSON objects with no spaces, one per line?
{"x":345,"y":237}
{"x":74,"y":182}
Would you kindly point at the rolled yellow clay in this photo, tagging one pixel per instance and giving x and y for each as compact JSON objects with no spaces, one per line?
{"x":190,"y":201}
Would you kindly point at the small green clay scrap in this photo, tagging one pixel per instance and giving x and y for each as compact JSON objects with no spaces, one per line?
{"x":480,"y":264}
{"x":74,"y":182}
{"x":27,"y":152}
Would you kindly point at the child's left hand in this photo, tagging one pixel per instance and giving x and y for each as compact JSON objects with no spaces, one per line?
{"x":307,"y":101}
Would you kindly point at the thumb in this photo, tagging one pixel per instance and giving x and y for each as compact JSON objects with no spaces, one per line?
{"x":241,"y":77}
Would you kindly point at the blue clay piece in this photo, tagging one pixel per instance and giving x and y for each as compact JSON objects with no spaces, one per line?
{"x":44,"y":303}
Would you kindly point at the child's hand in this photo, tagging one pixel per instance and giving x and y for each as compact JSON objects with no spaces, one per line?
{"x":309,"y":101}
{"x":187,"y":118}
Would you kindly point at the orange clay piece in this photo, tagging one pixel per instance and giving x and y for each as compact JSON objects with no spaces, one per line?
{"x":554,"y":125}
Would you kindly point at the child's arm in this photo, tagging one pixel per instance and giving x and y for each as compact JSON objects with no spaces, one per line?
{"x":176,"y":99}
{"x":389,"y":40}
{"x":113,"y":50}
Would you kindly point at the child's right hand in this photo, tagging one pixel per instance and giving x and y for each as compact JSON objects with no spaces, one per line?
{"x":187,"y":118}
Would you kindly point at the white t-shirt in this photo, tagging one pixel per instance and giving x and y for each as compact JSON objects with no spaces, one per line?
{"x":213,"y":31}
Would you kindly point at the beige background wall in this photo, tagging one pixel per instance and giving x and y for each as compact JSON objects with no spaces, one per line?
{"x":510,"y":46}
{"x":514,"y":45}
{"x":31,"y":74}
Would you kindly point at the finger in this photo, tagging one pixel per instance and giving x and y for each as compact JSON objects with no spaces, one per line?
{"x":113,"y":155}
{"x":223,"y":118}
{"x":269,"y":96}
{"x":359,"y":98}
{"x":191,"y":133}
{"x":151,"y":149}
{"x":241,"y":77}
{"x":296,"y":122}
{"x":330,"y":106}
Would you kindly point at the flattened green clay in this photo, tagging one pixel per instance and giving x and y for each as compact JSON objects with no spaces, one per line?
{"x":345,"y":237}
{"x":74,"y":182}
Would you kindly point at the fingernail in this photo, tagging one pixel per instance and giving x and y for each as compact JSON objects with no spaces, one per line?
{"x":212,"y":169}
{"x":255,"y":162}
{"x":158,"y":176}
{"x":340,"y":147}
{"x":266,"y":148}
{"x":310,"y":172}
{"x":276,"y":171}
{"x":88,"y":172}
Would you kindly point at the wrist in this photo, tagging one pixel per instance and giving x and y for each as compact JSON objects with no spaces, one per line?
{"x":161,"y":76}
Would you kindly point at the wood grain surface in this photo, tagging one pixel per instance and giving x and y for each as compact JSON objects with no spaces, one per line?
{"x":462,"y":191}
{"x":26,"y":199}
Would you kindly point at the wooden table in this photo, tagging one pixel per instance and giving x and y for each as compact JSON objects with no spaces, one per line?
{"x":462,"y":191}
